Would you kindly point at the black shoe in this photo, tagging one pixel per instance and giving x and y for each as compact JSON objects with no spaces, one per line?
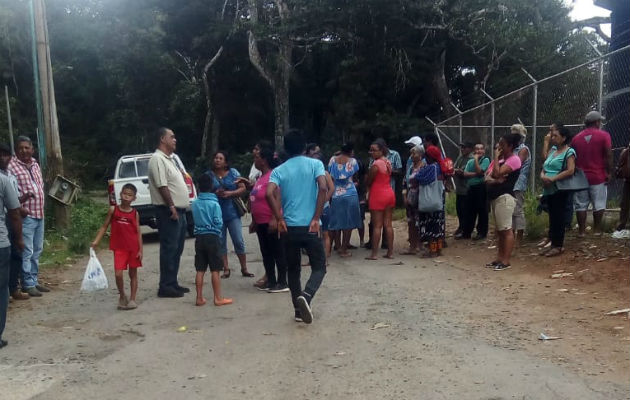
{"x":4,"y":343}
{"x":263,"y":288}
{"x":305,"y":309}
{"x":500,"y":267}
{"x":298,"y":316}
{"x":182,"y":289}
{"x":460,"y":236}
{"x":169,"y":293}
{"x":479,"y":237}
{"x":278,"y":288}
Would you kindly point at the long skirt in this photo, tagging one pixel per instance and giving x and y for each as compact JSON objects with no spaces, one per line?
{"x":431,"y":225}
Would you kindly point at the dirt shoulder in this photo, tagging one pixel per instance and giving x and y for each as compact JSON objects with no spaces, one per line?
{"x":392,"y":329}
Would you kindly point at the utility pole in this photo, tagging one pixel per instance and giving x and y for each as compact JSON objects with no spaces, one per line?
{"x":54,"y":160}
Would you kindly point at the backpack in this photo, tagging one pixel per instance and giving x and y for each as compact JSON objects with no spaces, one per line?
{"x":447,"y":167}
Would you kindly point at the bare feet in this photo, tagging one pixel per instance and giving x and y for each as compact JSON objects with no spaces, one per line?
{"x":345,"y":254}
{"x":222,"y":302}
{"x":201,"y":301}
{"x":389,"y":256}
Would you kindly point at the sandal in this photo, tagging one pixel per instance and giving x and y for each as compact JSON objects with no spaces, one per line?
{"x":246,"y":274}
{"x":226,"y":273}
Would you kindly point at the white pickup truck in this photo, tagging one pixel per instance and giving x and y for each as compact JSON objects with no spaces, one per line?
{"x":134,"y":169}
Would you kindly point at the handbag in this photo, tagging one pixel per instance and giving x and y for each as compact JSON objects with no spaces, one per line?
{"x":239,"y":204}
{"x":575,"y":182}
{"x":430,"y":197}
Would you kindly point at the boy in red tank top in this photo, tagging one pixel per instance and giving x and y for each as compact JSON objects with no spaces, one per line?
{"x":126,"y":243}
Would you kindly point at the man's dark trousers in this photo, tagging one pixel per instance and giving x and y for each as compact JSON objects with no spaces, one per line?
{"x":172,"y":237}
{"x":477,"y":211}
{"x":297,"y":238}
{"x":462,"y":211}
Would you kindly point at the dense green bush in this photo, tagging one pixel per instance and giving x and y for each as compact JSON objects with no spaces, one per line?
{"x":450,"y":206}
{"x":536,"y":223}
{"x":87,"y":217}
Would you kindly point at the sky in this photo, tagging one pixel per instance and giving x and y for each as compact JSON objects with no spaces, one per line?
{"x":583,"y":9}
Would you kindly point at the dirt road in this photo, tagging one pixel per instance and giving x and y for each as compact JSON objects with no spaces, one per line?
{"x":444,"y":330}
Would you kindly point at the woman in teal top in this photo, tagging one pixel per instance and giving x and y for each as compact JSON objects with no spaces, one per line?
{"x":560,"y":164}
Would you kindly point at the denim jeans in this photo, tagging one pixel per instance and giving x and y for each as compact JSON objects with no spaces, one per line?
{"x":5,"y":254}
{"x":172,"y":237}
{"x":33,"y":234}
{"x":235,"y":227}
{"x":296,"y":239}
{"x":272,"y":251}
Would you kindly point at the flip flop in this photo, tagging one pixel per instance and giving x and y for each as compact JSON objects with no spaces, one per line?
{"x":371,"y":258}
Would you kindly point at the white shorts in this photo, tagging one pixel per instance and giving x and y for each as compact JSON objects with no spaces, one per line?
{"x":595,"y":194}
{"x":502,"y":209}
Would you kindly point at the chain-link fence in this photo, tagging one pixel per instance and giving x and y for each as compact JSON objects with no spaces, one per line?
{"x":599,"y":84}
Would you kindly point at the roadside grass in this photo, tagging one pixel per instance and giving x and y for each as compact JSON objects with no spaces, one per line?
{"x":450,"y":206}
{"x":399,"y":214}
{"x":63,"y":247}
{"x":536,"y":224}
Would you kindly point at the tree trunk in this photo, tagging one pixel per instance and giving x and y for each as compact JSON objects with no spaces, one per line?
{"x":209,"y":125}
{"x":279,"y":76}
{"x":439,"y":83}
{"x":54,"y":159}
{"x":281,"y":94}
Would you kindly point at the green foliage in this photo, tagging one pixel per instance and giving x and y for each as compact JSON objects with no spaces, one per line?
{"x":399,"y":214}
{"x":359,"y":70}
{"x":536,"y":224}
{"x":450,"y":206}
{"x":87,"y":217}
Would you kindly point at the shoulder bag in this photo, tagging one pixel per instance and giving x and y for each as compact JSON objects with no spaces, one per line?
{"x":239,"y":204}
{"x":430,"y":197}
{"x":575,"y":182}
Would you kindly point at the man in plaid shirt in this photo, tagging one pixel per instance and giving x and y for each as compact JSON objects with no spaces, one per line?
{"x":31,"y":193}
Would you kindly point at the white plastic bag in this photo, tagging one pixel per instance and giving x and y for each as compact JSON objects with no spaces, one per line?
{"x":94,"y":277}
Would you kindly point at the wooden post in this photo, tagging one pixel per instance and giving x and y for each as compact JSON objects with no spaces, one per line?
{"x":54,"y":160}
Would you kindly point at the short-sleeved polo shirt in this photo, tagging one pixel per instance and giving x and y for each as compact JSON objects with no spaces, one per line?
{"x":164,"y":172}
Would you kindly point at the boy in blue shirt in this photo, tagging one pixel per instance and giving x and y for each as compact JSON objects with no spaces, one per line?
{"x":296,"y":193}
{"x":208,"y":223}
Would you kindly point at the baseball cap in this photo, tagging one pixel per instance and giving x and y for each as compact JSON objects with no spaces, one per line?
{"x":518,"y":128}
{"x":593,"y":116}
{"x":414,"y":141}
{"x":5,"y":147}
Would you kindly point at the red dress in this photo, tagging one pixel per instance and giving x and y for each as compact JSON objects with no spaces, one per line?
{"x":381,"y":194}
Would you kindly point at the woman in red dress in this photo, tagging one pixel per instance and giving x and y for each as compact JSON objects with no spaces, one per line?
{"x":381,"y":200}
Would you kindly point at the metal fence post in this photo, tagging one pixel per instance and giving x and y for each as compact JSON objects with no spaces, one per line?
{"x":534,"y":150}
{"x":600,"y":93}
{"x":491,"y":118}
{"x":461,"y":122}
